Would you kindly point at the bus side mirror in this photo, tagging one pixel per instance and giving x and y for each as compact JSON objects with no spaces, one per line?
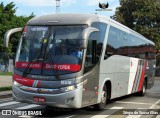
{"x":9,"y":33}
{"x":94,"y":51}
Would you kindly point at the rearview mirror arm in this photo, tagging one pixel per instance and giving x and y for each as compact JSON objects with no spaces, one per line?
{"x":9,"y":33}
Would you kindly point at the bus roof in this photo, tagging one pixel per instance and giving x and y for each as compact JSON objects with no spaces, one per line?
{"x":63,"y":19}
{"x":75,"y":19}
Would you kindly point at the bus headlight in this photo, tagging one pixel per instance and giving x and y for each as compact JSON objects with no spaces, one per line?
{"x":15,"y":83}
{"x":69,"y":88}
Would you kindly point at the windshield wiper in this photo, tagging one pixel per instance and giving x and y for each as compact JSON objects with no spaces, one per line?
{"x":46,"y":55}
{"x":38,"y":55}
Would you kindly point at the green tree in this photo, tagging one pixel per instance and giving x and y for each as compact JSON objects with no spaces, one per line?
{"x":18,"y":21}
{"x":9,"y":20}
{"x":142,"y":16}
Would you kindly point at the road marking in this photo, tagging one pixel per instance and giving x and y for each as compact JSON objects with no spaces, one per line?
{"x":100,"y":116}
{"x":109,"y":111}
{"x":28,"y":106}
{"x":6,"y":100}
{"x":26,"y":116}
{"x":65,"y":116}
{"x":8,"y":103}
{"x":69,"y":116}
{"x":131,"y":102}
{"x":152,"y":107}
{"x":155,"y":105}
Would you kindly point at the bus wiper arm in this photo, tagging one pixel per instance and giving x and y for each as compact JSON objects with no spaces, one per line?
{"x":46,"y":55}
{"x":38,"y":55}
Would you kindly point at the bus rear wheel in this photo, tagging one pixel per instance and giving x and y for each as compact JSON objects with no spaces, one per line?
{"x":144,"y":87}
{"x":102,"y":104}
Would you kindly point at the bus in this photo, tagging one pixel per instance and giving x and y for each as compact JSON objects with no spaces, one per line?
{"x":78,"y":60}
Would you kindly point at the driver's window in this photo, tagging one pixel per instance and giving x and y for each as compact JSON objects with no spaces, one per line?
{"x":89,"y":54}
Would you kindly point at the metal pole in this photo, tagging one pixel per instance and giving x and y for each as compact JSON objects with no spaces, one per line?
{"x":57,"y":6}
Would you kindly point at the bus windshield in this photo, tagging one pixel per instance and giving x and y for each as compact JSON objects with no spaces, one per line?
{"x":50,"y":49}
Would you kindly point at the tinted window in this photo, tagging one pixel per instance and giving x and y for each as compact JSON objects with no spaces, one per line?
{"x":134,"y":46}
{"x":123,"y":43}
{"x":101,"y":35}
{"x":138,"y":47}
{"x":112,"y":43}
{"x":89,"y":54}
{"x":102,"y":30}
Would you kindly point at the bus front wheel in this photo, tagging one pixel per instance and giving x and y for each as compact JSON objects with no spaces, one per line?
{"x":102,"y":104}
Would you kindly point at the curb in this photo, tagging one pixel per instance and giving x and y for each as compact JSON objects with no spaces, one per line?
{"x":5,"y":94}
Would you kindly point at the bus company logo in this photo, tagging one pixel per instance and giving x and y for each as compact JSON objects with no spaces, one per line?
{"x":58,"y":67}
{"x":39,"y":90}
{"x":103,"y":5}
{"x":39,"y":77}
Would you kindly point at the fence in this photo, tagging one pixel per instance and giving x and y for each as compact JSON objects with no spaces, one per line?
{"x":6,"y":62}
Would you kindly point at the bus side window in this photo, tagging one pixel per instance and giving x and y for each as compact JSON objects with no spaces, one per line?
{"x":112,"y":43}
{"x":123,"y":44}
{"x":89,"y":54}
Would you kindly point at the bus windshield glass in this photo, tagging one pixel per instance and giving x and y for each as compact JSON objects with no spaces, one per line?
{"x":49,"y":50}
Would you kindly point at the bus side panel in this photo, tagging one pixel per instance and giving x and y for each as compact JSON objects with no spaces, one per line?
{"x":122,"y":75}
{"x":125,"y":73}
{"x":116,"y":69}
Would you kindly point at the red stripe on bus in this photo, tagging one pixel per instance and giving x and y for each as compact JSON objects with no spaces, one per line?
{"x":38,"y":85}
{"x":142,"y":78}
{"x":23,"y":81}
{"x":32,"y":65}
{"x":46,"y":66}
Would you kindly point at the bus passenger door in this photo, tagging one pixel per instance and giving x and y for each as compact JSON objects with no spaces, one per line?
{"x":90,"y":71}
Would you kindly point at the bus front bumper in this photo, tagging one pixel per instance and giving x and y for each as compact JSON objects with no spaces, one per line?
{"x":70,"y":99}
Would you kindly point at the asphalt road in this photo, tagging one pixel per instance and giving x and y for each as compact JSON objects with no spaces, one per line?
{"x":131,"y":106}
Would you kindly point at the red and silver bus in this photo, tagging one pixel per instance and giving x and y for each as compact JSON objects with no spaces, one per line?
{"x":77,"y":60}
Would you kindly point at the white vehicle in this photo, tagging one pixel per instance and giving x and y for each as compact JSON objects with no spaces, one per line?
{"x":77,"y":60}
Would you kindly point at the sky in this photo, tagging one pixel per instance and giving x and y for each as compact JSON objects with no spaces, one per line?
{"x":43,"y":7}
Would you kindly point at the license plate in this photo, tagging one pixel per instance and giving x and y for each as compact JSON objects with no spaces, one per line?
{"x":39,"y":99}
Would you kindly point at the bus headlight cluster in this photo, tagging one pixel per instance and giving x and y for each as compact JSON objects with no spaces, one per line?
{"x":16,"y":84}
{"x":69,"y":88}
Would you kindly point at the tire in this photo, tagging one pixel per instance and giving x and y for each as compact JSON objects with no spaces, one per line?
{"x":143,"y":91}
{"x":102,"y":104}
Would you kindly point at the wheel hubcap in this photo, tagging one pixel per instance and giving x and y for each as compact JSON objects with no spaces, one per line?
{"x":103,"y":97}
{"x":144,"y":88}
